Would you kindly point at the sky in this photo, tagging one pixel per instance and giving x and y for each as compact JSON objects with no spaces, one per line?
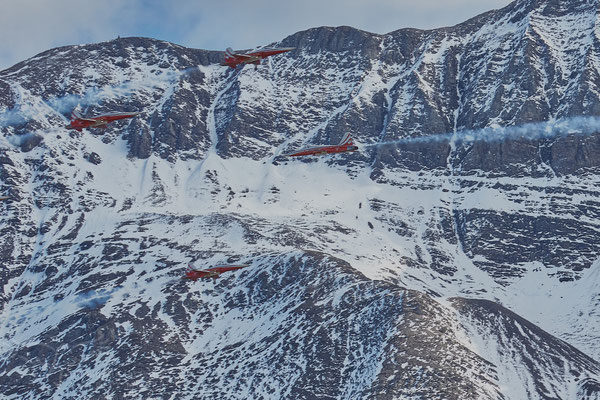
{"x":29,"y":27}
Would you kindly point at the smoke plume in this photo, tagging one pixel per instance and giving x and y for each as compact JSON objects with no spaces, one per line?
{"x":584,"y":125}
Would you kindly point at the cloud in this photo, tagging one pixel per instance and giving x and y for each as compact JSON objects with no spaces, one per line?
{"x":266,"y":21}
{"x":32,"y":26}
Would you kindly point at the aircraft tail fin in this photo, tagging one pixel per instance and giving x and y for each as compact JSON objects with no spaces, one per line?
{"x":347,"y":140}
{"x":190,"y":267}
{"x":229,"y":52}
{"x":75,"y":115}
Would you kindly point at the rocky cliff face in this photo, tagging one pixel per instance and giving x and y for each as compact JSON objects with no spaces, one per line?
{"x":432,"y":268}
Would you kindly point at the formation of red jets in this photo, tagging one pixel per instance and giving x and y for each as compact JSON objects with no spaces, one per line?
{"x":233,"y":60}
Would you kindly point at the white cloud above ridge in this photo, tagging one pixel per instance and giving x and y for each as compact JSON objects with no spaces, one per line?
{"x":29,"y":27}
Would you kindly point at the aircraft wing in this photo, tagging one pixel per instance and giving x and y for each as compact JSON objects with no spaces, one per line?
{"x":88,"y":119}
{"x":246,"y":56}
{"x":232,"y":54}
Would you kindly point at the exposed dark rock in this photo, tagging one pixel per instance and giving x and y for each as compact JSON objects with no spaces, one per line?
{"x":94,"y":158}
{"x":30,"y":142}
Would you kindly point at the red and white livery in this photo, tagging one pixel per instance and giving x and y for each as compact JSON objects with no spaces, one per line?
{"x":99,"y":121}
{"x":233,"y":59}
{"x":194,"y":274}
{"x":346,"y":145}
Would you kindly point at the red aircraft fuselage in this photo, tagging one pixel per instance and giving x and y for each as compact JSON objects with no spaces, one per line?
{"x":100,"y":121}
{"x":323,"y":150}
{"x":233,"y":59}
{"x":195,"y":274}
{"x":346,"y":145}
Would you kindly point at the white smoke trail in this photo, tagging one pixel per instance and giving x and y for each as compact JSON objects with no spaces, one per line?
{"x":18,"y":140}
{"x":39,"y":108}
{"x":532,"y":131}
{"x":13,"y":117}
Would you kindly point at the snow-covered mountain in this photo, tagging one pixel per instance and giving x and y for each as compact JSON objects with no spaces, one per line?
{"x":432,"y":268}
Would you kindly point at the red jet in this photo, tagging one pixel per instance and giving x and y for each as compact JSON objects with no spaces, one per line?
{"x":194,"y":274}
{"x":233,"y":59}
{"x":100,"y":121}
{"x":347,"y":144}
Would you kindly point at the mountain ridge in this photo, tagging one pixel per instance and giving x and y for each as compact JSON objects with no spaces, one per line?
{"x":102,"y":225}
